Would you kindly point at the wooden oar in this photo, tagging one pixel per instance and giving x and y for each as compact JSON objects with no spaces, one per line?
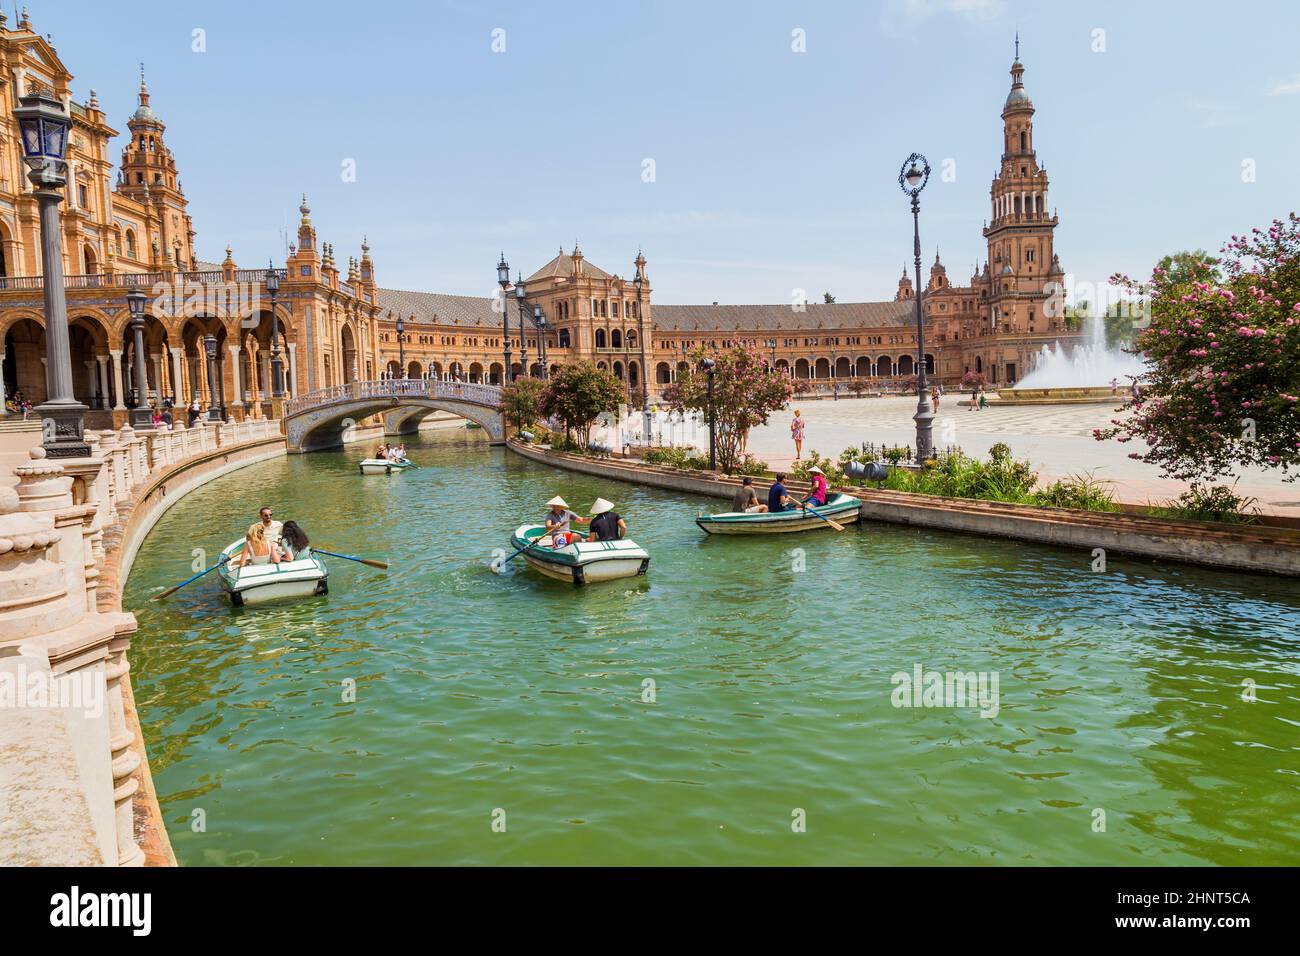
{"x":170,"y":591}
{"x":812,"y":511}
{"x":382,"y":565}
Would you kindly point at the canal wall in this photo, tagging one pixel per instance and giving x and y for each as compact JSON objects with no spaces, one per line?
{"x":75,"y":786}
{"x":1249,"y":548}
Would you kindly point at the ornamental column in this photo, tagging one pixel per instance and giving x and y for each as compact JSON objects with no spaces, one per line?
{"x":115,"y":356}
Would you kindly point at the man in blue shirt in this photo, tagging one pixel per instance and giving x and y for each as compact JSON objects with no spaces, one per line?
{"x":778,"y":498}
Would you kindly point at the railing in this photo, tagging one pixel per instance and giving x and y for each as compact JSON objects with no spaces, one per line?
{"x":136,"y":280}
{"x":472,"y":392}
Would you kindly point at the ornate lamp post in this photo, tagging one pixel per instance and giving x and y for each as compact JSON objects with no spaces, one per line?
{"x":640,"y":332}
{"x":523,"y":338}
{"x":43,"y":124}
{"x":912,"y":179}
{"x":709,"y":369}
{"x":141,"y":416}
{"x":277,"y":363}
{"x":215,"y":409}
{"x":503,"y":280}
{"x":401,"y":346}
{"x":539,"y":319}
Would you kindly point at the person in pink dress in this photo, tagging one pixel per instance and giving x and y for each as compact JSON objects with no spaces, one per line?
{"x":796,"y":432}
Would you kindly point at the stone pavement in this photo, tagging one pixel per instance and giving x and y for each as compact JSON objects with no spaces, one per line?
{"x":1057,"y":440}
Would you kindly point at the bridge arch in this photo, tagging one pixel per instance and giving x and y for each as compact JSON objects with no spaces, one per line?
{"x":319,"y":419}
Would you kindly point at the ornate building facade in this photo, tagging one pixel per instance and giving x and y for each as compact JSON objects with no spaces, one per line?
{"x":210,"y":326}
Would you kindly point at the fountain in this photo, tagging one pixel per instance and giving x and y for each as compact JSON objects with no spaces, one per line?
{"x":1082,"y":373}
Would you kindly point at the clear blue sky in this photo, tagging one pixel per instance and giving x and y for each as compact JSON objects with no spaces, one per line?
{"x":774,"y":169}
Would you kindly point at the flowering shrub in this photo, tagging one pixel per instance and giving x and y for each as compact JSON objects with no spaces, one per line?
{"x":1223,"y":389}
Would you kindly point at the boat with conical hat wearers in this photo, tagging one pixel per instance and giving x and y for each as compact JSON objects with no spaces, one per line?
{"x":560,"y":553}
{"x":841,"y":508}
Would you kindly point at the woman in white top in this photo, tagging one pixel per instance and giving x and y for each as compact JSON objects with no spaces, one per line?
{"x":257,"y":549}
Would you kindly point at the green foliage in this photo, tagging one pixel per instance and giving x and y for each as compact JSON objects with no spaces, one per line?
{"x":828,"y":298}
{"x":677,"y":458}
{"x":1082,"y":492}
{"x":746,"y":390}
{"x":1223,"y":387}
{"x":521,"y":401}
{"x":577,"y":395}
{"x":1219,"y":503}
{"x":799,"y":470}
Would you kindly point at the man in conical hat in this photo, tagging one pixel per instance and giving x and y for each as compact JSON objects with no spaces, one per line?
{"x":559,"y":517}
{"x":606,"y":525}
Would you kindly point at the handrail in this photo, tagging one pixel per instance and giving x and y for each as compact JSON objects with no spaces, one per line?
{"x":472,"y":392}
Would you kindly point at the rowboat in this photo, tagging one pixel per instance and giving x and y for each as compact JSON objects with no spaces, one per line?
{"x":382,"y":466}
{"x":840,"y":508}
{"x":582,"y":563}
{"x":256,"y":583}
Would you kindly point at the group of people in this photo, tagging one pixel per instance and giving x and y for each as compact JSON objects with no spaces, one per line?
{"x":605,"y":524}
{"x":978,"y":400}
{"x":271,"y":542}
{"x":387,"y":452}
{"x":778,"y":496}
{"x":18,"y":404}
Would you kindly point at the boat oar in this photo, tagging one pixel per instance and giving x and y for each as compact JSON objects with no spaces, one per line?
{"x":813,"y":511}
{"x":498,"y":565}
{"x":170,"y":591}
{"x":382,"y":565}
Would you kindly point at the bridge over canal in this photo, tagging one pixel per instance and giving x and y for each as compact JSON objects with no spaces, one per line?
{"x":318,"y":419}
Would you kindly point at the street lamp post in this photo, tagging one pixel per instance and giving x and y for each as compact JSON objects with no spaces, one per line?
{"x":141,"y":416}
{"x":912,"y":179}
{"x":277,"y":362}
{"x":539,"y":319}
{"x":43,"y":125}
{"x":523,"y":336}
{"x":401,"y":346}
{"x":709,"y":368}
{"x":503,"y":280}
{"x":214,"y":405}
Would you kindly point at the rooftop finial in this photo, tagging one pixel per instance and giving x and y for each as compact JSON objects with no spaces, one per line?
{"x":1017,"y":44}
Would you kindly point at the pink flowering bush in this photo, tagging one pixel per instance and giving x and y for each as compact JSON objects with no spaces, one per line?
{"x":745,"y":391}
{"x":1223,"y":347}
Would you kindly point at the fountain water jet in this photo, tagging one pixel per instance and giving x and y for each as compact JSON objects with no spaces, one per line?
{"x":1079,"y":374}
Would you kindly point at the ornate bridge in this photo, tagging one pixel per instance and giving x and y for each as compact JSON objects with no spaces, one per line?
{"x":319,"y":419}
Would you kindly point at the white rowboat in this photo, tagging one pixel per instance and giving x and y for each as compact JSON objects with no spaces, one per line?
{"x":257,"y":583}
{"x":583,"y":563}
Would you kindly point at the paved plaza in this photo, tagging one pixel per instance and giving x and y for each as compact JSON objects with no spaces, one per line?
{"x":1057,"y":440}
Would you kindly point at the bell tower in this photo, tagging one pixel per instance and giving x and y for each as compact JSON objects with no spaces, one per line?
{"x":1021,"y":228}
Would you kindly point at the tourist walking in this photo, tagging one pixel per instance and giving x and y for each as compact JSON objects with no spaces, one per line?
{"x":796,"y":433}
{"x":984,"y":400}
{"x":934,"y":398}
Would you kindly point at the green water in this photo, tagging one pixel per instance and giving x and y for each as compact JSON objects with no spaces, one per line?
{"x":771,"y":660}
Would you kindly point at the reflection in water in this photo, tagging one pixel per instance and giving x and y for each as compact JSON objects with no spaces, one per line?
{"x":771,"y":690}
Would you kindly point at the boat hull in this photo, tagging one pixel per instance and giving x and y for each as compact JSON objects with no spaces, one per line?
{"x":585,"y":562}
{"x":261,"y":583}
{"x":842,"y":509}
{"x":377,"y":466}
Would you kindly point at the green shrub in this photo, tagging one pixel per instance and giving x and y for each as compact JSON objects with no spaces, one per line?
{"x":1083,"y":492}
{"x":799,"y":470}
{"x":1219,"y":503}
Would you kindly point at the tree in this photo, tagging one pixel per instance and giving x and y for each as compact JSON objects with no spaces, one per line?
{"x":745,"y":391}
{"x":857,"y":386}
{"x":973,"y":380}
{"x":578,"y":394}
{"x":521,"y":401}
{"x":1185,"y":266}
{"x":1223,"y":347}
{"x":828,"y":298}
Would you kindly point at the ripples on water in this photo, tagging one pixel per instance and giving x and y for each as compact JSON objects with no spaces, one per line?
{"x":1119,"y":691}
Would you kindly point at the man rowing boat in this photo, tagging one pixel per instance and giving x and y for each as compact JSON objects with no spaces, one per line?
{"x":559,"y":518}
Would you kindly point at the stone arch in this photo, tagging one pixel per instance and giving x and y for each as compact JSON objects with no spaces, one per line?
{"x":801,"y":368}
{"x":348,"y":361}
{"x":23,"y":339}
{"x":822,"y":368}
{"x":600,"y":338}
{"x":616,"y":339}
{"x":905,"y":365}
{"x":884,"y":366}
{"x":413,"y":369}
{"x":843,"y":367}
{"x":862,"y":368}
{"x":321,"y":428}
{"x":494,"y":373}
{"x":663,"y":374}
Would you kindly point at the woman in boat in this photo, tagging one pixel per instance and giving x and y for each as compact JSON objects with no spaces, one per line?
{"x":294,"y":542}
{"x":606,"y":524}
{"x":559,"y":517}
{"x":818,"y":495}
{"x":258,"y":549}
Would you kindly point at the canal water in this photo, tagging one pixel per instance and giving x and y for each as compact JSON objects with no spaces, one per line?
{"x":735,"y":706}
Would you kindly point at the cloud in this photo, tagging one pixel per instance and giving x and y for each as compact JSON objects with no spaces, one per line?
{"x":1286,"y":89}
{"x":970,"y":9}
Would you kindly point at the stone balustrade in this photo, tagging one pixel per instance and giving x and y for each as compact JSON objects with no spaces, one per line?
{"x":71,"y":755}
